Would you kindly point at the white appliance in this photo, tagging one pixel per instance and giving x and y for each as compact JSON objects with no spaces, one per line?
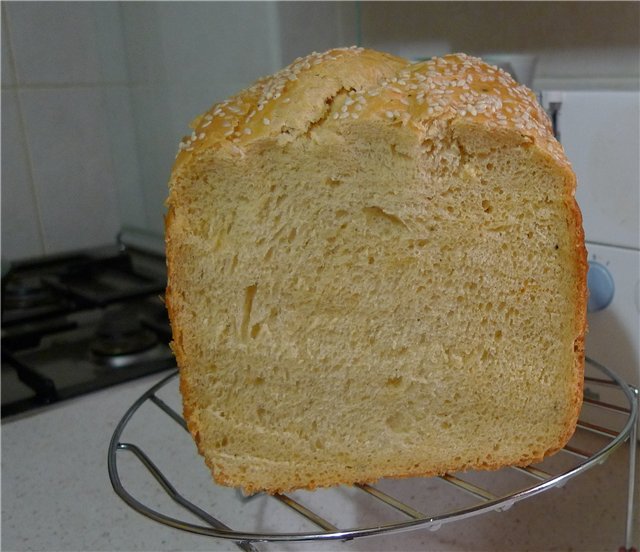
{"x":600,"y":131}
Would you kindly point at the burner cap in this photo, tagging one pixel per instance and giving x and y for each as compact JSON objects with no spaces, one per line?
{"x":121,"y":333}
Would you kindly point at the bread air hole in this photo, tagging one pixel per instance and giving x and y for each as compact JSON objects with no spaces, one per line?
{"x":374,"y":213}
{"x":250,"y":293}
{"x":486,"y":206}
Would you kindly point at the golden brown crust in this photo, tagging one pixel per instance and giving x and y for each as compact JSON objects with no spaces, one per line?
{"x":344,"y":85}
{"x":364,"y":84}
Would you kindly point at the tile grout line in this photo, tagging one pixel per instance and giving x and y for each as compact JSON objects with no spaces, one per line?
{"x":23,"y":139}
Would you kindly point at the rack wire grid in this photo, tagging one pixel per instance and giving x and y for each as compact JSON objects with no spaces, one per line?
{"x":538,"y":480}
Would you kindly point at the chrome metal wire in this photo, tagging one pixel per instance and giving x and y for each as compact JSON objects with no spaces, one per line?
{"x":486,"y":500}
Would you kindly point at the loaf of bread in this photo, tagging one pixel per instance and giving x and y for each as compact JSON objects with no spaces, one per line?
{"x":376,"y":269}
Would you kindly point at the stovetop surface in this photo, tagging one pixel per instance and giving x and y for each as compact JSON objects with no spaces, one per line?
{"x":73,"y":324}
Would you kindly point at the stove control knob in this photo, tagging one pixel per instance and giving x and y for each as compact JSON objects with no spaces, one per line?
{"x":601,"y":287}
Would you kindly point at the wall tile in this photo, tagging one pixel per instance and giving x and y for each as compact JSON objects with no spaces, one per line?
{"x":157,"y":145}
{"x":124,"y":153}
{"x":72,"y":169}
{"x":328,"y":31}
{"x":21,"y":236}
{"x":8,"y":75}
{"x":110,"y":43}
{"x":143,"y":42}
{"x":53,"y":42}
{"x":210,"y":42}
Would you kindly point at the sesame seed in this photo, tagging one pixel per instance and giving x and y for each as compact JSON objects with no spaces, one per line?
{"x":202,"y":136}
{"x":266,"y":121}
{"x":389,"y":114}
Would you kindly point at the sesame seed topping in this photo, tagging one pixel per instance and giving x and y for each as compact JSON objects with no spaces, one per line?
{"x":440,"y":88}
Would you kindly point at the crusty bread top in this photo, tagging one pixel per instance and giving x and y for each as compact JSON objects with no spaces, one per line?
{"x":366,"y":84}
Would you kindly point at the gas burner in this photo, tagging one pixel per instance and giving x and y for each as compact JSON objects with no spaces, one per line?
{"x":120,"y":339}
{"x":27,"y":292}
{"x":79,"y":322}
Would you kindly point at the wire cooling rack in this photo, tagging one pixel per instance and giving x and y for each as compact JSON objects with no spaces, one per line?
{"x":186,"y":515}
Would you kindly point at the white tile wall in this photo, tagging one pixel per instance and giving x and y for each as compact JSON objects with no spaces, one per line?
{"x":334,"y":25}
{"x":75,"y":181}
{"x":21,"y":231}
{"x":72,"y":171}
{"x":108,"y":34}
{"x":8,"y":73}
{"x":53,"y":42}
{"x":124,"y":155}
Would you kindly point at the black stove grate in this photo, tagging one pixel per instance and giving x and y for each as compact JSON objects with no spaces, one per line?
{"x":78,"y":323}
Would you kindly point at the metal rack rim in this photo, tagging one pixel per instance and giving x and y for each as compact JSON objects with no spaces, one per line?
{"x":218,"y":529}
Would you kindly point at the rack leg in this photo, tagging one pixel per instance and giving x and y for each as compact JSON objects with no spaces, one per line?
{"x":633,"y":445}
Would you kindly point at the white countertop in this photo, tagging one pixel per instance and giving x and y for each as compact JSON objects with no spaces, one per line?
{"x":56,"y":493}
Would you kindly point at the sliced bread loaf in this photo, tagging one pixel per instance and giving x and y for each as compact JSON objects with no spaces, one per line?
{"x":376,"y":269}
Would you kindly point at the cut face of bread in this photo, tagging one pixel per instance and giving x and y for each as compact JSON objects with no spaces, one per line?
{"x":397,"y":292}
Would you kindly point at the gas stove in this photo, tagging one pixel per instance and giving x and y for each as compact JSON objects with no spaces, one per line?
{"x":79,"y":322}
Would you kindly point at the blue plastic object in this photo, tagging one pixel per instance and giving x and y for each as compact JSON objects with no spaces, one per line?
{"x":601,"y":287}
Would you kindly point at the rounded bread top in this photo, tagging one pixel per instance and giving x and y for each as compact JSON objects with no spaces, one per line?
{"x":343,"y":85}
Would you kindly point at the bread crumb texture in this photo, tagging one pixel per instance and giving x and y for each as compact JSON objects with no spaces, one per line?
{"x":376,"y":269}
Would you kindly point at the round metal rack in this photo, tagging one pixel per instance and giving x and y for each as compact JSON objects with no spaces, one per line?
{"x":539,"y":478}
